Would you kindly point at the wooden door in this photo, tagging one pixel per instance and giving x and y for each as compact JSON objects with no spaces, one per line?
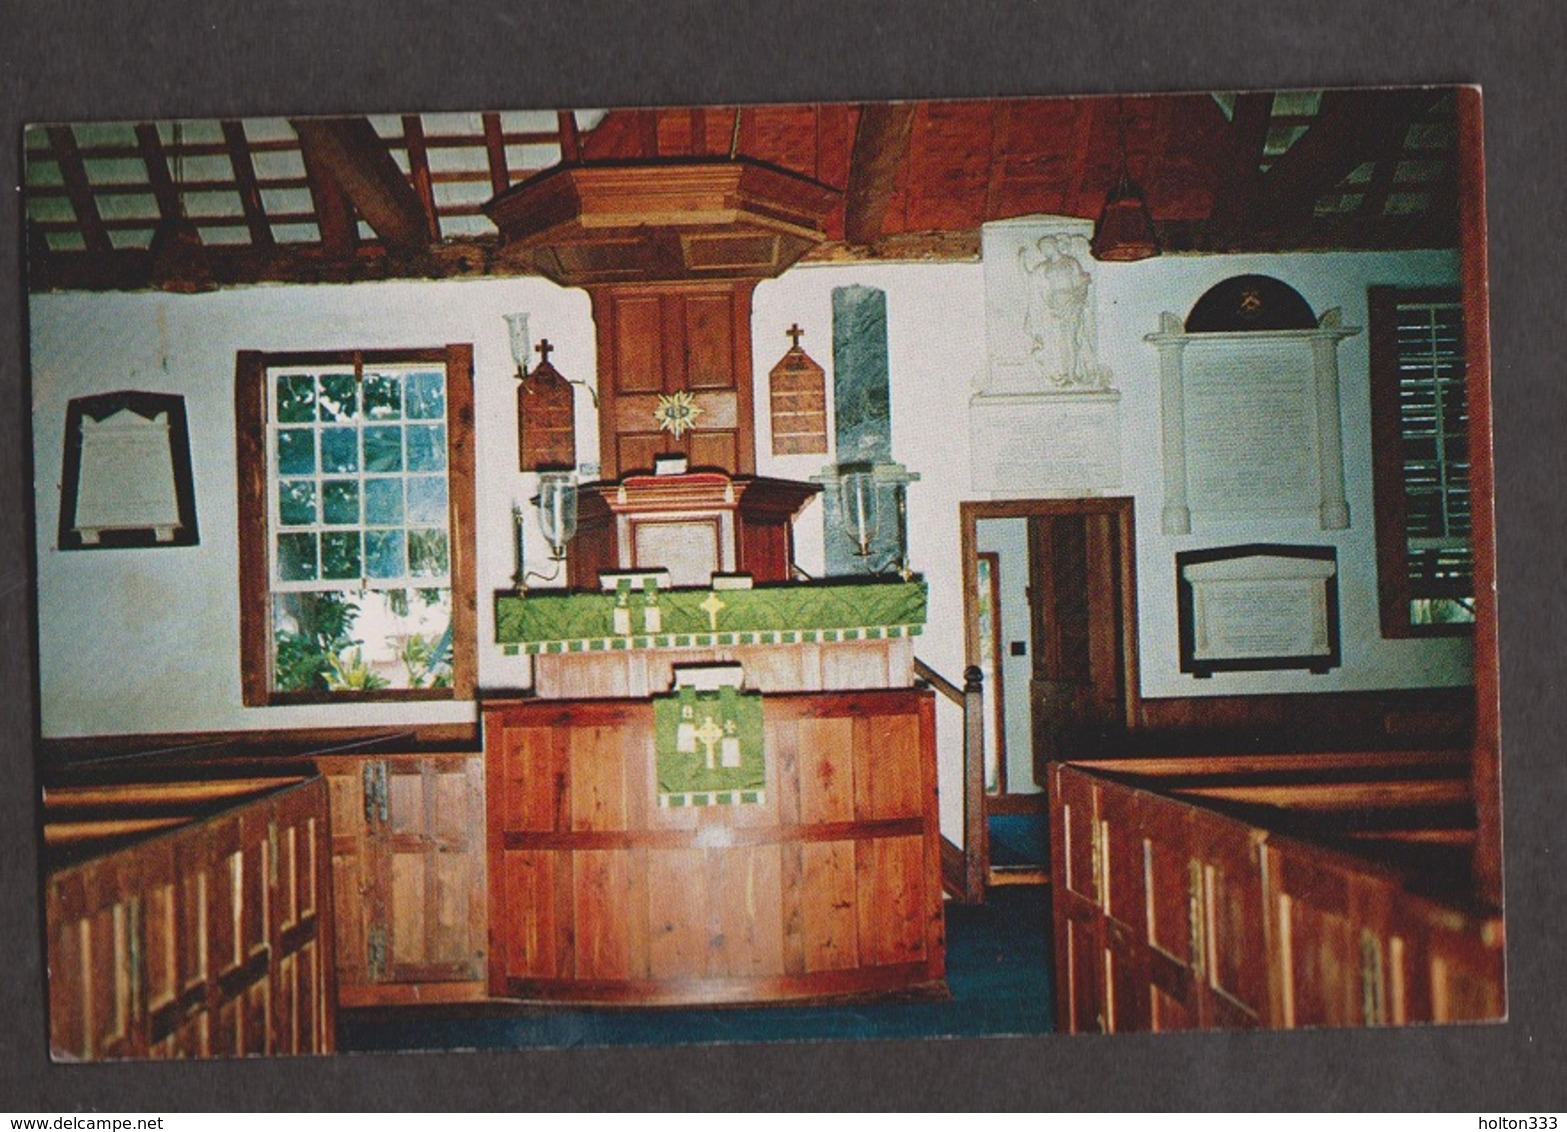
{"x":409,"y":877}
{"x":662,"y":340}
{"x":1078,"y":684}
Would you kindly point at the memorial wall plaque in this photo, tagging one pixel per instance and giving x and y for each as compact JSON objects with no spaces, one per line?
{"x":1257,"y":607}
{"x":126,"y":478}
{"x":1250,"y":423}
{"x":1043,"y":417}
{"x":1041,"y":442}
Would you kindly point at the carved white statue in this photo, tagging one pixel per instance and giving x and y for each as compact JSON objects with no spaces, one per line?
{"x":1058,"y":320}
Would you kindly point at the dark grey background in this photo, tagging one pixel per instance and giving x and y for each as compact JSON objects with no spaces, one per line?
{"x":66,"y":60}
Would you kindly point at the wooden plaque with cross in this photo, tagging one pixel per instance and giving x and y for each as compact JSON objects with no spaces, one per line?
{"x":546,"y":418}
{"x":798,"y":389}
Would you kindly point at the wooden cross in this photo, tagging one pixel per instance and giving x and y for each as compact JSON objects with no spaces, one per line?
{"x":708,"y":735}
{"x":795,"y":333}
{"x":711,"y":606}
{"x":544,"y":349}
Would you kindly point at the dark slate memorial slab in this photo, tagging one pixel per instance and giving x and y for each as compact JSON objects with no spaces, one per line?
{"x":860,"y":377}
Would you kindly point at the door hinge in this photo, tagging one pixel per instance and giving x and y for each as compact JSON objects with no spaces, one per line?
{"x":376,"y":800}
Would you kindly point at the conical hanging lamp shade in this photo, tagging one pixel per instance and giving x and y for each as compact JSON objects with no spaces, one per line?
{"x":1124,"y":232}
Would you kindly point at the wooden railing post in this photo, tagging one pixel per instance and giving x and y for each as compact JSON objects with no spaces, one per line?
{"x":976,"y":848}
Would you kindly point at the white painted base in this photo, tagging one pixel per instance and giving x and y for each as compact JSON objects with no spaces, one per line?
{"x":1051,"y":443}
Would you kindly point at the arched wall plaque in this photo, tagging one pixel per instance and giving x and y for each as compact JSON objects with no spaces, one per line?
{"x":126,"y":479}
{"x":1250,"y":422}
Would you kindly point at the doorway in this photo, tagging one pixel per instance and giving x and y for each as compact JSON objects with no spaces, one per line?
{"x":1050,"y":621}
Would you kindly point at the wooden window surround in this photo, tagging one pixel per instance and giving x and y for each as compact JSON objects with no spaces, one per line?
{"x":387,"y":540}
{"x":1420,"y":462}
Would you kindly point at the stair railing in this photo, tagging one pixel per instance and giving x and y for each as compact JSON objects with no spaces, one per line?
{"x":968,"y":883}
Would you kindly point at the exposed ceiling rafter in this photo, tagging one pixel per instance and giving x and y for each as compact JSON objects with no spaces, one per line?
{"x":353,"y":154}
{"x":79,"y":189}
{"x":1353,"y":127}
{"x":245,"y":179}
{"x":881,"y":142}
{"x":1238,"y":175}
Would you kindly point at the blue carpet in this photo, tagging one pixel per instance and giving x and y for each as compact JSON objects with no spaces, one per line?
{"x":1019,"y":840}
{"x":998,"y":970}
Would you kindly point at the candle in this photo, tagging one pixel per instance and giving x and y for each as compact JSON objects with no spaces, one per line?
{"x":859,"y":511}
{"x":516,"y":521}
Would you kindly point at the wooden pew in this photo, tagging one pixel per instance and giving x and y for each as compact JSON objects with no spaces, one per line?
{"x":1269,"y":890}
{"x":189,"y":919}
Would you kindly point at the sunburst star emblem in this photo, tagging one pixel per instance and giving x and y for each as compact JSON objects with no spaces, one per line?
{"x":676,"y":412}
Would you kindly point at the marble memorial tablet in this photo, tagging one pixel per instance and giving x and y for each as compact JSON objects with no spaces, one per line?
{"x":1258,"y":606}
{"x":1250,"y":423}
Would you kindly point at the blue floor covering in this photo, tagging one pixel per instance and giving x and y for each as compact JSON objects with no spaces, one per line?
{"x":1019,"y":840}
{"x":998,"y":972}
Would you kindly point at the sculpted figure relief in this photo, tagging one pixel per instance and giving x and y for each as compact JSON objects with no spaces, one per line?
{"x":1059,"y":320}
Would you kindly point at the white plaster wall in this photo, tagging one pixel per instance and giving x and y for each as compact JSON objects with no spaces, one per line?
{"x":134,"y":641}
{"x":1131,"y":299}
{"x":147,"y":640}
{"x":936,"y":348}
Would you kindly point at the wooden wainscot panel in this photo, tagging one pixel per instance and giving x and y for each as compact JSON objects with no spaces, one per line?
{"x":1232,"y":948}
{"x":1452,"y":963}
{"x":212,"y":938}
{"x":408,"y":867}
{"x":832,"y":886}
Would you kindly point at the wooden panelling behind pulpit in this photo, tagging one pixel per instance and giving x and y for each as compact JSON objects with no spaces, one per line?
{"x":663,"y":339}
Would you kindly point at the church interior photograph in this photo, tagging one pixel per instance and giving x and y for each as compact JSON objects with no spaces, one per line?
{"x":764,"y":572}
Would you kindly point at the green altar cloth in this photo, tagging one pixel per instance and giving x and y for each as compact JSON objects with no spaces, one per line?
{"x":791,"y":613}
{"x":708,"y":748}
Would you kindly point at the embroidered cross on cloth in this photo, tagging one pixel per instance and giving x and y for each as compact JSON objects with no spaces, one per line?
{"x":708,"y":748}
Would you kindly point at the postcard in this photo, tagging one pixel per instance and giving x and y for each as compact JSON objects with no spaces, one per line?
{"x":764,"y":572}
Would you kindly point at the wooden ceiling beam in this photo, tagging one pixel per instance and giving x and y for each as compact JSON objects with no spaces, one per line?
{"x":881,"y":143}
{"x":334,"y":214}
{"x":419,"y":171}
{"x":1387,"y":160}
{"x":570,"y":139}
{"x":1352,"y":127}
{"x":353,"y":154}
{"x":130,"y":269}
{"x":1239,"y":171}
{"x":38,"y":253}
{"x":1085,"y":117}
{"x":495,"y":150}
{"x":150,"y":146}
{"x":79,"y":189}
{"x":245,"y":182}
